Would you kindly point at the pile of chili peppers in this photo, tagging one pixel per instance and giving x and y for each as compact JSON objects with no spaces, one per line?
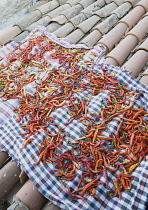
{"x":96,"y":153}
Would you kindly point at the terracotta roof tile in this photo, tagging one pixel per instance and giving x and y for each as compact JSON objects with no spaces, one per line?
{"x":120,"y":25}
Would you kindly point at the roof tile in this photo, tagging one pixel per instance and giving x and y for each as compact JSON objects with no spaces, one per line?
{"x":106,"y":10}
{"x":64,"y":30}
{"x":89,"y":11}
{"x":48,"y":7}
{"x":85,"y":3}
{"x":3,"y":158}
{"x":53,"y":27}
{"x":75,"y":36}
{"x":136,"y":63}
{"x":143,"y":46}
{"x":31,"y":18}
{"x":30,"y":196}
{"x":144,"y":78}
{"x":133,"y":17}
{"x":132,"y":2}
{"x":9,"y":176}
{"x":92,"y":38}
{"x":140,"y":29}
{"x":123,"y":49}
{"x":86,"y":25}
{"x":43,"y":21}
{"x":58,"y":10}
{"x":107,"y":24}
{"x":122,"y":10}
{"x":144,"y":4}
{"x":10,"y":33}
{"x":72,"y":12}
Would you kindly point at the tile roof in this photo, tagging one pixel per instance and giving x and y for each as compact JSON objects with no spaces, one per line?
{"x":121,"y":26}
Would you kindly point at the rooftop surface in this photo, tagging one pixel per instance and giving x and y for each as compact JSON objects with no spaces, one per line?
{"x":121,"y":26}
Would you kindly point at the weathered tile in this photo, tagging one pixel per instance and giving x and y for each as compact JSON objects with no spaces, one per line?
{"x":73,"y":11}
{"x":61,"y":19}
{"x":118,"y":2}
{"x":29,"y":19}
{"x":86,"y":25}
{"x":34,"y":7}
{"x":53,"y":27}
{"x":64,"y":30}
{"x":48,"y":7}
{"x":122,"y":10}
{"x":92,"y":38}
{"x":106,"y":10}
{"x":85,"y":3}
{"x":43,"y":22}
{"x":75,"y":36}
{"x":58,"y":10}
{"x":107,"y":24}
{"x":136,"y":63}
{"x":72,"y":2}
{"x":133,"y":2}
{"x":78,"y":19}
{"x":89,"y":11}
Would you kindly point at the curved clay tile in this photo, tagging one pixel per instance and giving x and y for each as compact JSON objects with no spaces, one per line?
{"x":136,"y":63}
{"x":133,"y":17}
{"x":112,"y":61}
{"x":64,"y":30}
{"x":53,"y":27}
{"x":118,"y":2}
{"x":122,"y":10}
{"x":91,"y":39}
{"x":8,"y":34}
{"x":86,"y":25}
{"x":111,"y":38}
{"x":61,"y":2}
{"x":30,"y":196}
{"x":106,"y":10}
{"x":140,"y":29}
{"x":29,"y":19}
{"x":49,"y":6}
{"x":61,"y":19}
{"x":75,"y":36}
{"x":85,"y":3}
{"x":89,"y":11}
{"x":72,"y":2}
{"x":143,"y":46}
{"x":58,"y":10}
{"x":78,"y":19}
{"x":3,"y":157}
{"x":133,"y":2}
{"x":43,"y":21}
{"x":107,"y":24}
{"x":144,"y":78}
{"x":144,"y":4}
{"x":123,"y":49}
{"x":9,"y":176}
{"x":72,"y":12}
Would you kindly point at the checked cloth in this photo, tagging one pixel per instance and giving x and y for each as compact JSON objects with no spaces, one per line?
{"x":42,"y":174}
